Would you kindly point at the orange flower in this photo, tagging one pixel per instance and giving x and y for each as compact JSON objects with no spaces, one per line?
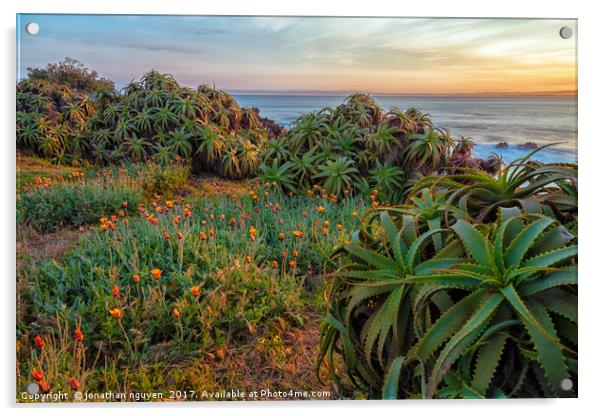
{"x":203,"y":235}
{"x":166,"y":234}
{"x":195,"y":291}
{"x":252,"y":238}
{"x":326,"y":223}
{"x":326,"y":232}
{"x":136,"y":278}
{"x":79,"y":335}
{"x":232,"y":221}
{"x":156,"y":273}
{"x":116,"y":313}
{"x":295,"y":253}
{"x":115,"y":291}
{"x":292,"y":264}
{"x":248,"y":259}
{"x":354,"y":214}
{"x":44,"y":386}
{"x":283,"y":253}
{"x":176,"y":313}
{"x":211,"y":232}
{"x":340,"y":227}
{"x":74,"y":383}
{"x":39,"y":341}
{"x":320,"y":209}
{"x":37,"y":375}
{"x":274,"y":264}
{"x":179,"y":235}
{"x":281,"y":236}
{"x":298,"y":233}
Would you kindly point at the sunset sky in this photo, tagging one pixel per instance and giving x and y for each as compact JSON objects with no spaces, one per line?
{"x":294,"y":54}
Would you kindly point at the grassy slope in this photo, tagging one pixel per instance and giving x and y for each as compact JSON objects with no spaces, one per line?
{"x":279,"y":356}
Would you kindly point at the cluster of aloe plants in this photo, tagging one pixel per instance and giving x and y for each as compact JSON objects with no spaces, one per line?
{"x":154,"y":117}
{"x":357,"y":146}
{"x":467,"y":290}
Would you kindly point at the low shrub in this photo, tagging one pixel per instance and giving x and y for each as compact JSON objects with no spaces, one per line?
{"x":181,"y":280}
{"x":52,"y":204}
{"x":157,"y":180}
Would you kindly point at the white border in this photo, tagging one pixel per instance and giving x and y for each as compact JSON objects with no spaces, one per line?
{"x":590,"y":153}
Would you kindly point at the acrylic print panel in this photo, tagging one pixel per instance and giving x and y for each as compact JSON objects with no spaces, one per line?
{"x":291,"y":208}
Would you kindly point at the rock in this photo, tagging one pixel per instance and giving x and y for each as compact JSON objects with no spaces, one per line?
{"x":528,"y":146}
{"x":501,"y":145}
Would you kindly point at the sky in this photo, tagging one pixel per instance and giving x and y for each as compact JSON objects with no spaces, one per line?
{"x":310,"y":54}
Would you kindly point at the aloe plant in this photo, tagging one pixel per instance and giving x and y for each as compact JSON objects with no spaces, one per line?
{"x":337,"y":175}
{"x":370,"y":318}
{"x":411,"y":320}
{"x":521,"y":277}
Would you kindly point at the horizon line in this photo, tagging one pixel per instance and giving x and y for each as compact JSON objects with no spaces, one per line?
{"x":339,"y":93}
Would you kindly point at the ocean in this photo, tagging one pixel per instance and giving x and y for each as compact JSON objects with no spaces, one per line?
{"x":487,"y":120}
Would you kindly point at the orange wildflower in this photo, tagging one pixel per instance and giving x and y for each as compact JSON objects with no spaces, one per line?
{"x":179,"y":235}
{"x":354,"y":214}
{"x":203,"y":236}
{"x":115,"y":291}
{"x":195,"y":291}
{"x":79,"y":335}
{"x":248,"y":259}
{"x":166,"y":234}
{"x":275,"y":264}
{"x":116,"y":313}
{"x":292,"y":264}
{"x":39,"y":341}
{"x":340,"y":227}
{"x":176,"y":313}
{"x":37,"y":375}
{"x":74,"y":383}
{"x":136,"y":278}
{"x":298,"y":233}
{"x":326,"y":232}
{"x":44,"y":386}
{"x":295,"y":253}
{"x":283,"y":253}
{"x":281,"y":236}
{"x":156,"y":273}
{"x":326,"y":223}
